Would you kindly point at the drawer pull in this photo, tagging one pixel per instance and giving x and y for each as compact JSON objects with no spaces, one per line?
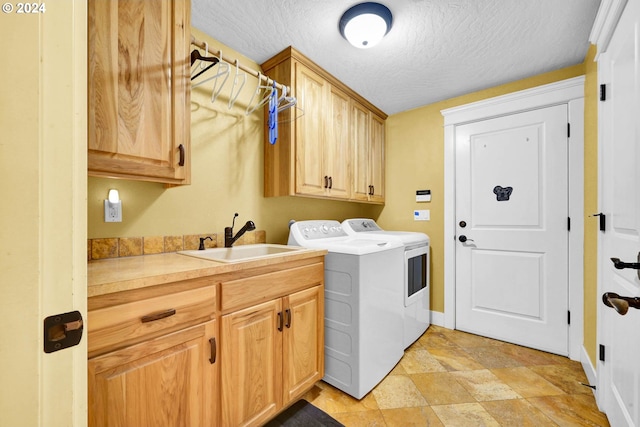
{"x":158,"y":316}
{"x":212,"y":344}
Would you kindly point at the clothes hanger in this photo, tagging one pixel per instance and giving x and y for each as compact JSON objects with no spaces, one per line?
{"x":222,"y":72}
{"x":233,"y":97}
{"x":196,"y":56}
{"x":268,"y":89}
{"x":273,"y":115}
{"x":285,"y":102}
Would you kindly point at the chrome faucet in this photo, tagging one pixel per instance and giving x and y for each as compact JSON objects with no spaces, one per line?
{"x":229,"y":238}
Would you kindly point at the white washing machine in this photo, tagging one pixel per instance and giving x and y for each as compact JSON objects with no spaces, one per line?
{"x":415,"y":282}
{"x":363,"y":315}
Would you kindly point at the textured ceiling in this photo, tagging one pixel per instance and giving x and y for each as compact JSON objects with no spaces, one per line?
{"x":436,"y":49}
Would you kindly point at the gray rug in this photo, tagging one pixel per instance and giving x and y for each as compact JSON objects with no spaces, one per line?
{"x":303,"y":414}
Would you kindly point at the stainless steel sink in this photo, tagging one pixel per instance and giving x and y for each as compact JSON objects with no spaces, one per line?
{"x":242,"y":253}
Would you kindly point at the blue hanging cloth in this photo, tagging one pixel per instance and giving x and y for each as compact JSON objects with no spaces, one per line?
{"x":273,"y":115}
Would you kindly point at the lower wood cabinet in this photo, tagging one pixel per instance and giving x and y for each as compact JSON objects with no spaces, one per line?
{"x":271,"y":354}
{"x":232,"y":349}
{"x":167,"y":381}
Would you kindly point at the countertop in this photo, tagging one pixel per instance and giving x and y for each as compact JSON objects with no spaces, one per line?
{"x":122,"y":274}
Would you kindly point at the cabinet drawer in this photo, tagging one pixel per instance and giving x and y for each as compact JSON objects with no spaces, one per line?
{"x":125,"y":324}
{"x":236,"y":294}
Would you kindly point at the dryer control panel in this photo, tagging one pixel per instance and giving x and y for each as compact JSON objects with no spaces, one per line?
{"x":311,"y":230}
{"x":362,"y":225}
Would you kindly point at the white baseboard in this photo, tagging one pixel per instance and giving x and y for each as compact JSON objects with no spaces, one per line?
{"x":437,"y":318}
{"x":589,"y":370}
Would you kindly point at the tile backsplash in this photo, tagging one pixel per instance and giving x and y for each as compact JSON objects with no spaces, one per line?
{"x":115,"y":247}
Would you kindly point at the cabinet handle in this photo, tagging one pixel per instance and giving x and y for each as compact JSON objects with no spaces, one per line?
{"x":326,"y":181}
{"x":158,"y":316}
{"x":288,"y":322}
{"x":181,"y":150}
{"x":212,"y":344}
{"x":330,"y":182}
{"x":280,"y":319}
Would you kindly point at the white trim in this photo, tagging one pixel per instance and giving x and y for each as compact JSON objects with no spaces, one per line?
{"x":576,"y":235}
{"x":437,"y":318}
{"x":589,"y":370}
{"x":606,"y":20}
{"x":570,"y":92}
{"x":529,"y":99}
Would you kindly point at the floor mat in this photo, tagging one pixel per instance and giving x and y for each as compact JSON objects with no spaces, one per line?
{"x":303,"y":414}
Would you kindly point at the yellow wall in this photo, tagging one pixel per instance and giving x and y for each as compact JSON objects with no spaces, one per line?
{"x":226,"y":176}
{"x":591,"y":204}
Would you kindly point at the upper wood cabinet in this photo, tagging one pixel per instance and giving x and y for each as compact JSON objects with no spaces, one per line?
{"x":316,"y":151}
{"x":139,"y":90}
{"x":368,"y":139}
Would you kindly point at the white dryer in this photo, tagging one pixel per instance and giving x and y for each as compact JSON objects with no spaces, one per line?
{"x":363,"y":315}
{"x":415,"y":282}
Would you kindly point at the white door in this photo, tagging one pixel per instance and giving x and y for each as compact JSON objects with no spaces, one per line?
{"x":511,"y":205}
{"x":619,"y":69}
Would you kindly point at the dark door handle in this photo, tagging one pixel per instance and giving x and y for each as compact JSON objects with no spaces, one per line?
{"x":326,"y":181}
{"x":620,"y":265}
{"x":620,"y":304}
{"x":463,"y":239}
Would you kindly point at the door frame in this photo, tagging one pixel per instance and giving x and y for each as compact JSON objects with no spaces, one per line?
{"x":570,"y":92}
{"x":45,"y":233}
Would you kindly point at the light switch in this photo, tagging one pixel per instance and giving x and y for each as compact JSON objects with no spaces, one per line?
{"x":422,"y":215}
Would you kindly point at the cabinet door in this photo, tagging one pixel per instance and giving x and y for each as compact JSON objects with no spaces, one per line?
{"x":139,"y":113}
{"x":310,"y":132}
{"x":337,"y":153}
{"x":376,"y":159}
{"x":303,"y":346}
{"x":168,"y":381}
{"x":360,"y":128}
{"x":251,"y":364}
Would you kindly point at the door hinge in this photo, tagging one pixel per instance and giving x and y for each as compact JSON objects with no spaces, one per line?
{"x":568,"y":130}
{"x":603,"y":92}
{"x":601,"y":353}
{"x":568,"y":317}
{"x":568,"y":223}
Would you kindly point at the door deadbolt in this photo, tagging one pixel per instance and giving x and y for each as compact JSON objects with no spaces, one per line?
{"x":462,"y":224}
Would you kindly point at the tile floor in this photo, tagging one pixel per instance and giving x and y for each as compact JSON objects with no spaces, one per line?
{"x":451,"y":378}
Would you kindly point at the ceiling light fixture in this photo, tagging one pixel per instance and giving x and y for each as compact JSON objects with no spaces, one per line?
{"x":365,"y":24}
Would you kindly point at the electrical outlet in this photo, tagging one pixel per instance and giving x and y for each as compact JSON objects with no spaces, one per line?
{"x":112,"y":211}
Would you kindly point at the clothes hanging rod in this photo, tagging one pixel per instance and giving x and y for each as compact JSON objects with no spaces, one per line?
{"x":202,"y":45}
